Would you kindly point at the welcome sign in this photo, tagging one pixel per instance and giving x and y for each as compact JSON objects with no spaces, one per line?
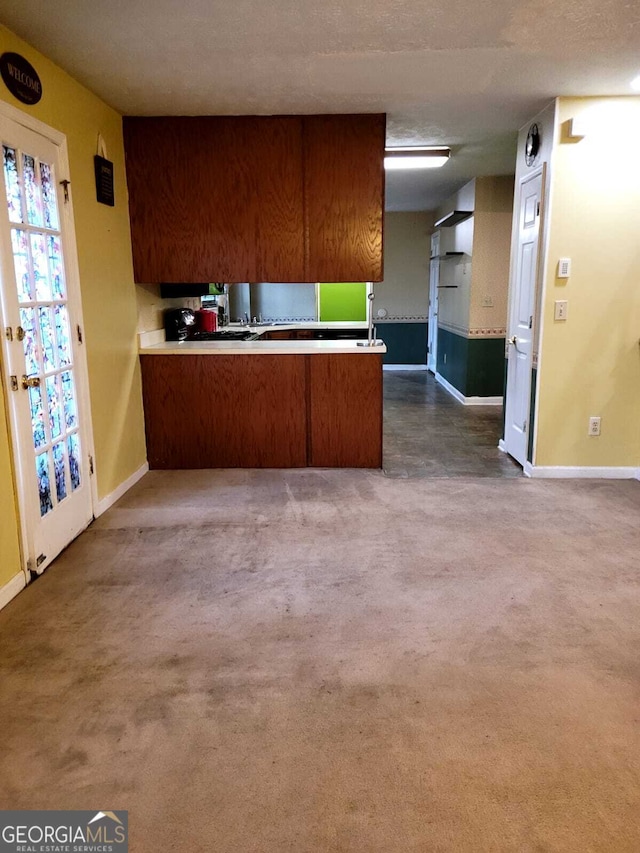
{"x":20,"y":78}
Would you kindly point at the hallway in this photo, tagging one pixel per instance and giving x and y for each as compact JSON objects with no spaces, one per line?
{"x":427,"y":433}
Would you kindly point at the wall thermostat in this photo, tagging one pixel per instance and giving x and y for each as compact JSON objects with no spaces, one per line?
{"x":564,"y":267}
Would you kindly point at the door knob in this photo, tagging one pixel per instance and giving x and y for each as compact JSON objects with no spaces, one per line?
{"x":513,"y":340}
{"x":30,"y":382}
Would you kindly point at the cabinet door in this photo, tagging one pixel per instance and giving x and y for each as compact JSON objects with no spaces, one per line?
{"x":344,"y":411}
{"x":215,"y":198}
{"x":344,"y":197}
{"x":225,"y":411}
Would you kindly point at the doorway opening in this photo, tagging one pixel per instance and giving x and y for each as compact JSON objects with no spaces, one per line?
{"x":428,"y":433}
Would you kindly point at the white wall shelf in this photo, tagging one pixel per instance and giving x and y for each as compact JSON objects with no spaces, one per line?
{"x":453,"y":218}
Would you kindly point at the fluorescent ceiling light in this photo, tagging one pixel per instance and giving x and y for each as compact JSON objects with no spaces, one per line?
{"x":635,"y":83}
{"x":416,"y":157}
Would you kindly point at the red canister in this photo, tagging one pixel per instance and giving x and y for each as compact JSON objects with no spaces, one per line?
{"x":207,"y":320}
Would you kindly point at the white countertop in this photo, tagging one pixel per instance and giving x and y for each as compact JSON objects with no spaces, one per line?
{"x":262,"y":347}
{"x":147,"y":340}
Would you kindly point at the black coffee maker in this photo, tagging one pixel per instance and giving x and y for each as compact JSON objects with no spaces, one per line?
{"x":179,"y":323}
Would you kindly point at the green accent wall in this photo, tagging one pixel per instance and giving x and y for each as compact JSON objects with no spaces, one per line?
{"x":343,"y":301}
{"x":474,"y":366}
{"x":406,"y":342}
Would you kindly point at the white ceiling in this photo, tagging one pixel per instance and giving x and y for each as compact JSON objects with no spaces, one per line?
{"x":465,"y":73}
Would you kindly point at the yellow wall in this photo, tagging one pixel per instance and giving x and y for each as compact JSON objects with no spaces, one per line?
{"x":590,"y":364}
{"x":491,"y":252}
{"x":106,"y":278}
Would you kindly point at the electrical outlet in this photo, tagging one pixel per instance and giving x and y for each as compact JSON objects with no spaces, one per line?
{"x":487,"y":301}
{"x":561,"y":309}
{"x":594,"y":426}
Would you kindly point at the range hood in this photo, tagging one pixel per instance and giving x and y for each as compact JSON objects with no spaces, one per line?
{"x":453,"y":218}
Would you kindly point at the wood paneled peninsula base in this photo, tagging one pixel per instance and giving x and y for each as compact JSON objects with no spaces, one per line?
{"x":263,"y":405}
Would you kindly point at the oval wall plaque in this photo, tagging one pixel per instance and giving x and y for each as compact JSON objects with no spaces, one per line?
{"x":20,"y":78}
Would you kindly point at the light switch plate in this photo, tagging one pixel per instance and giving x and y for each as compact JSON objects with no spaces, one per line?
{"x":561,"y":308}
{"x":564,"y":267}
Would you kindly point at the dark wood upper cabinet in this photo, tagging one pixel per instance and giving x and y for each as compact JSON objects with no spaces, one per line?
{"x":215,"y":198}
{"x":255,"y":198}
{"x":344,"y":196}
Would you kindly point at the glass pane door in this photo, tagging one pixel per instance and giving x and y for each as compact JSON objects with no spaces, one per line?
{"x":44,"y":321}
{"x":43,"y":357}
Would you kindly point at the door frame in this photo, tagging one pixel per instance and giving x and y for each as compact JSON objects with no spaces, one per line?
{"x":432,"y":319}
{"x":72,"y":273}
{"x":536,"y":332}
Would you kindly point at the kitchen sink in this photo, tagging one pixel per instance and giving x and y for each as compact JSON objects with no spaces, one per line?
{"x":225,"y":335}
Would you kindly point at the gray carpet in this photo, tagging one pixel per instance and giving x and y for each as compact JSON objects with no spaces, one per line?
{"x":314,"y":661}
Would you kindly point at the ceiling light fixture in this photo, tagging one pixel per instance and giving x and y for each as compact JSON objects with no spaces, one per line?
{"x":635,"y":83}
{"x":416,"y":157}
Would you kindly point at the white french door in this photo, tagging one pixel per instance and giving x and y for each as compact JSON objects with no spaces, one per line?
{"x":43,"y":359}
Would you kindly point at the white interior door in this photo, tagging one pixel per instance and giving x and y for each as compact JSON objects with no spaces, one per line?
{"x":520,"y":336}
{"x":43,"y":360}
{"x":434,"y":281}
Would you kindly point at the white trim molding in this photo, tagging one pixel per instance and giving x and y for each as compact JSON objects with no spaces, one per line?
{"x":22,"y":117}
{"x":483,"y":401}
{"x":400,"y":318}
{"x":11,"y":589}
{"x":467,"y":401}
{"x":575,"y":472}
{"x":475,"y":332}
{"x":108,"y":501}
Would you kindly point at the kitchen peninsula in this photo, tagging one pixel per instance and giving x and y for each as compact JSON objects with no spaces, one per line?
{"x":263,"y":404}
{"x":271,"y":199}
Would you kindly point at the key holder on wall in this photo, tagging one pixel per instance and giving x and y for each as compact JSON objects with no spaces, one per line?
{"x":104,"y":175}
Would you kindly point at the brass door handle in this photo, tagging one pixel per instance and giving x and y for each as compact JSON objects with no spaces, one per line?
{"x":30,"y":382}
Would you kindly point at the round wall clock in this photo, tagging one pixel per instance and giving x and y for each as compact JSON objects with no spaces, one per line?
{"x":532,"y":145}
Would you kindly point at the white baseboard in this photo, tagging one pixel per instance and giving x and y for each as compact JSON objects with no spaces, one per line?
{"x":581,"y":472}
{"x":11,"y":589}
{"x":467,"y":401}
{"x":404,"y":366}
{"x":483,"y":401}
{"x":109,"y":500}
{"x":502,"y":446}
{"x":449,"y":387}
